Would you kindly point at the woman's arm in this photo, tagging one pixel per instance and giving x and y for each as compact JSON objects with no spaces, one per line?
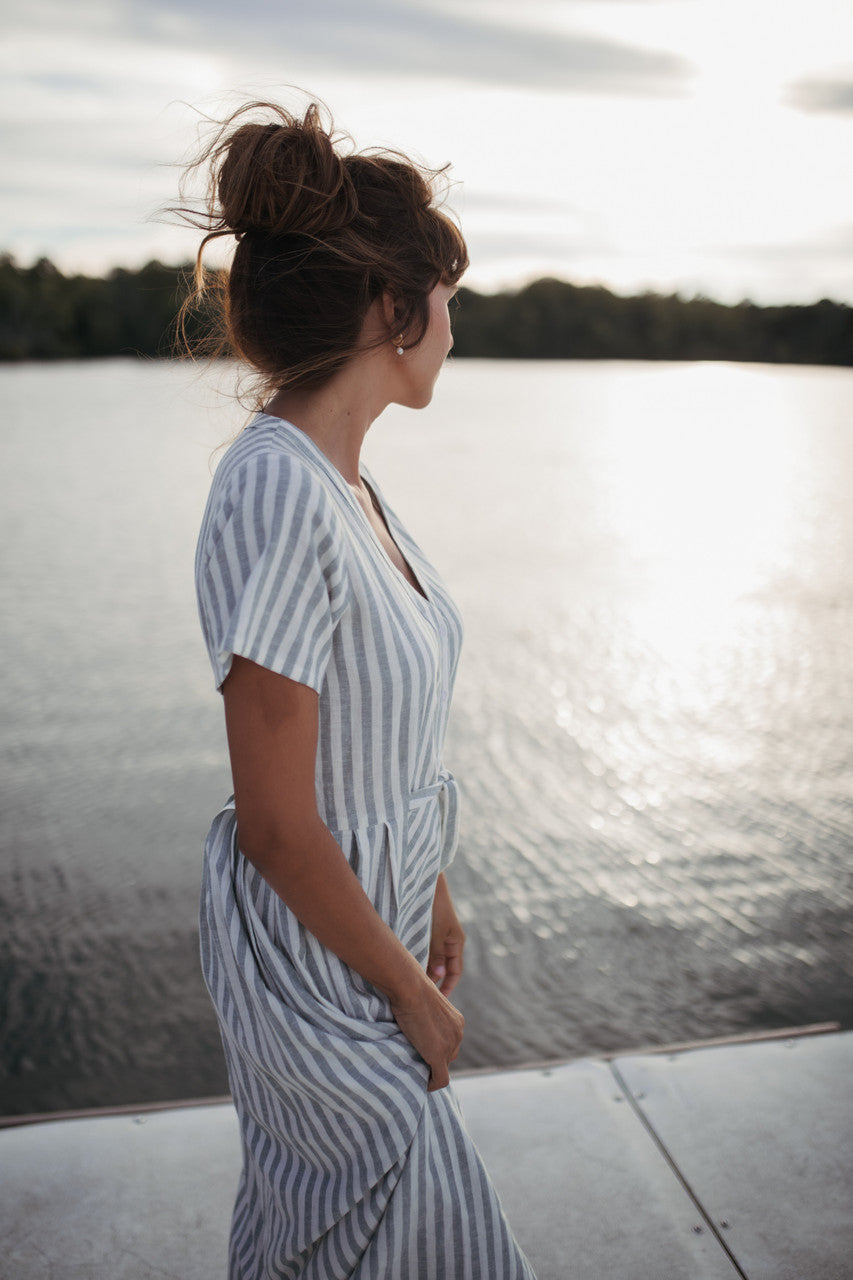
{"x":272,"y":726}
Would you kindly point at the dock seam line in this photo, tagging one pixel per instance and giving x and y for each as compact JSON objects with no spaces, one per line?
{"x":663,"y":1149}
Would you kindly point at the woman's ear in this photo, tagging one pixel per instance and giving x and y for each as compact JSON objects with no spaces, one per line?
{"x":390,"y":311}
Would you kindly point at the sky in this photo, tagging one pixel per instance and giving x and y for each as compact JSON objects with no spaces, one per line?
{"x":690,"y":146}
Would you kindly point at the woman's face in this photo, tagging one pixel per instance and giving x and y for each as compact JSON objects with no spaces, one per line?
{"x":421,"y":365}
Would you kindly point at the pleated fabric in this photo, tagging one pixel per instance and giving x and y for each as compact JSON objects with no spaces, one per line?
{"x":350,"y":1168}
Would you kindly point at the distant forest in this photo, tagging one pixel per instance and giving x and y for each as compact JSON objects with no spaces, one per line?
{"x":45,"y":315}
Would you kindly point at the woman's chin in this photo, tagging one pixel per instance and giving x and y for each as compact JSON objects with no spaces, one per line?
{"x":416,"y":398}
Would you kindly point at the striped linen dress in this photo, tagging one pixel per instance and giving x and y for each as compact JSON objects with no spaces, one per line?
{"x":350,"y":1168}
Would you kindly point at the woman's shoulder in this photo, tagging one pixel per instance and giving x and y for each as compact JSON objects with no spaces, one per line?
{"x":269,"y":489}
{"x":267,"y":462}
{"x":263,"y":443}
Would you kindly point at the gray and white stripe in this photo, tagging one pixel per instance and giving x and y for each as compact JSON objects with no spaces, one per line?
{"x":350,"y":1168}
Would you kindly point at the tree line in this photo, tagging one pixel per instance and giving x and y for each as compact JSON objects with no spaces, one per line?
{"x":45,"y":315}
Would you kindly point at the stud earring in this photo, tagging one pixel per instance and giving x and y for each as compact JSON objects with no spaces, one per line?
{"x":398,"y":343}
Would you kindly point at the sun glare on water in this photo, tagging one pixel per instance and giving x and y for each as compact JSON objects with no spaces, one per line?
{"x":704,"y":511}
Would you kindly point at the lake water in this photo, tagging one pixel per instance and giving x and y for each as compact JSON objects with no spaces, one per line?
{"x":652,"y":724}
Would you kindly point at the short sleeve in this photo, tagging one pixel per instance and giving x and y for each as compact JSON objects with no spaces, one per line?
{"x":268,"y":570}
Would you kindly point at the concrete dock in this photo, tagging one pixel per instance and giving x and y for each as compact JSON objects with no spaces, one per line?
{"x":702,"y":1163}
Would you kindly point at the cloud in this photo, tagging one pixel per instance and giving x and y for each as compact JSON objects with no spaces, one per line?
{"x":514,"y":203}
{"x":390,"y":38}
{"x":91,"y":94}
{"x":797,"y":270}
{"x":833,"y":243}
{"x":830,"y":94}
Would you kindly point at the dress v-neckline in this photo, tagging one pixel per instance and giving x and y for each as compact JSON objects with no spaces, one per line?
{"x":415,"y":586}
{"x":419,"y":591}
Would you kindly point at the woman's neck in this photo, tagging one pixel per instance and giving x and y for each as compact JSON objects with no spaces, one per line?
{"x":336,"y":416}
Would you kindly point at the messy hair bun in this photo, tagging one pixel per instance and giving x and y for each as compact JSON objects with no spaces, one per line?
{"x":284,"y":179}
{"x":320,"y":234}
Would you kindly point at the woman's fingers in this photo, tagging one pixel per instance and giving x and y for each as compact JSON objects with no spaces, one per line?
{"x":452,"y":964}
{"x":447,"y":941}
{"x":445,"y":964}
{"x":438,"y":1080}
{"x":434,"y":1028}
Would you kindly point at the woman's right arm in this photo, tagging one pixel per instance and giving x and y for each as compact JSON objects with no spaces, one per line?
{"x":272,"y":725}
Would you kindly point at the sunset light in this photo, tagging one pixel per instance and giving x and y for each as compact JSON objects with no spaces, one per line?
{"x":691,"y":147}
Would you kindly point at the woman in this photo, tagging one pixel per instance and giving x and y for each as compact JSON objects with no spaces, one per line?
{"x":329,"y":940}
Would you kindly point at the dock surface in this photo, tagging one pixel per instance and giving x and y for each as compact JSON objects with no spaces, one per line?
{"x":706,"y":1163}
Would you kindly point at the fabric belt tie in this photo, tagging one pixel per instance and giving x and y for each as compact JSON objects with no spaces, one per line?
{"x":445,"y":787}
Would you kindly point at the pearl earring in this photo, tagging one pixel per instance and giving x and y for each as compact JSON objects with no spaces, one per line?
{"x":398,"y":343}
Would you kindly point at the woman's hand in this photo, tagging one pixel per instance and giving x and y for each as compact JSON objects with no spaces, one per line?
{"x":447,"y":941}
{"x":427,"y":1018}
{"x":432,"y":1026}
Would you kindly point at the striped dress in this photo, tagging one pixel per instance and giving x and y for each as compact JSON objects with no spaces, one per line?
{"x":350,"y":1168}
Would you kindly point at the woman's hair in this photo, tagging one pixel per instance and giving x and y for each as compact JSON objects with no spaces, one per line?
{"x":320,"y":235}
